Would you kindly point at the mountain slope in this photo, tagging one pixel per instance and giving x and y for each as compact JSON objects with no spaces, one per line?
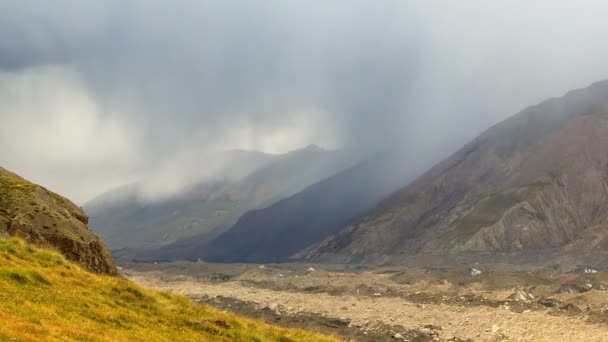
{"x":537,"y":181}
{"x":134,"y":215}
{"x":277,"y":232}
{"x":46,"y":219}
{"x":208,"y":208}
{"x":47,"y":298}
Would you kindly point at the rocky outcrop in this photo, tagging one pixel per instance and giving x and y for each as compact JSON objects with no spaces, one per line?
{"x":537,"y":181}
{"x":46,"y":219}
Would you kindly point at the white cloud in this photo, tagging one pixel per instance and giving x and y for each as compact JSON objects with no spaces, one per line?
{"x":53,"y":131}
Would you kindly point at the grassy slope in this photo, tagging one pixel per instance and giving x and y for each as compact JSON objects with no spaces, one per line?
{"x":45,"y":297}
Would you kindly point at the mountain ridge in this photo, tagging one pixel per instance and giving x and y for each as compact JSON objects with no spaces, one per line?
{"x":206,"y":209}
{"x":535,"y":181}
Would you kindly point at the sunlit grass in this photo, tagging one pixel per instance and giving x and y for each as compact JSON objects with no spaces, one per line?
{"x":45,"y":297}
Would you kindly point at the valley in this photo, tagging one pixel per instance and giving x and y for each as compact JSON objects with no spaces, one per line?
{"x":446,"y":302}
{"x":303,"y":171}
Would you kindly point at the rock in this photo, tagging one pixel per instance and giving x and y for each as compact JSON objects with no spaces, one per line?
{"x":571,"y":288}
{"x":261,"y":267}
{"x":274,"y":308}
{"x":495,"y":328}
{"x":377,"y":295}
{"x":433,"y":327}
{"x":550,"y":303}
{"x":398,"y":336}
{"x":473,"y":272}
{"x":48,"y":220}
{"x":589,"y":270}
{"x":521,"y":296}
{"x":338,"y":323}
{"x":571,"y":308}
{"x":310,"y":269}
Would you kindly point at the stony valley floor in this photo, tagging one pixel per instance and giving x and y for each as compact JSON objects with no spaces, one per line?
{"x":501,"y":303}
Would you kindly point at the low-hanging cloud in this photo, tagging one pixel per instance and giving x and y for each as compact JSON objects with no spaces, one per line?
{"x":95,"y":94}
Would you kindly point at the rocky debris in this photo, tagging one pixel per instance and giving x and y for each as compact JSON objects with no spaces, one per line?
{"x":521,"y":296}
{"x":276,"y":309}
{"x":548,"y":302}
{"x":571,"y":288}
{"x":589,"y":270}
{"x":432,"y":327}
{"x":276,"y":314}
{"x":423,"y":310}
{"x":571,"y":308}
{"x":473,"y":272}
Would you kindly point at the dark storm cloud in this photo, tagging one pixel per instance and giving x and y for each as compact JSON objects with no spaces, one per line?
{"x":137,"y":85}
{"x":187,"y":65}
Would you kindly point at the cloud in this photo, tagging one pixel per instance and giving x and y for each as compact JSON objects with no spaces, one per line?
{"x":154,"y":81}
{"x":54,"y":130}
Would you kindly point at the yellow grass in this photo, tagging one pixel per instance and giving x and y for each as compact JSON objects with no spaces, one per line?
{"x":45,"y":297}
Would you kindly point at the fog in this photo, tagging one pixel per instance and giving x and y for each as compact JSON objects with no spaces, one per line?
{"x":98,"y":94}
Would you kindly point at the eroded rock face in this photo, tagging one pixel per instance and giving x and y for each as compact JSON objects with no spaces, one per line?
{"x":537,"y":181}
{"x":46,"y":219}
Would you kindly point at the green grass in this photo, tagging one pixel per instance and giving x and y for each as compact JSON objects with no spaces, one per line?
{"x":12,"y":191}
{"x":487,"y":213}
{"x":44,"y":297}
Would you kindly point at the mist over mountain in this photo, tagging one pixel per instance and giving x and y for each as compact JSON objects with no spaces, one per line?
{"x":535,"y":182}
{"x":417,"y":170}
{"x":127,"y":218}
{"x":119,"y":91}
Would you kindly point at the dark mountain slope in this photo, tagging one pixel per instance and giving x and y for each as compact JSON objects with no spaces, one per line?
{"x":202,"y":211}
{"x":537,"y":181}
{"x":290,"y":225}
{"x":46,"y":219}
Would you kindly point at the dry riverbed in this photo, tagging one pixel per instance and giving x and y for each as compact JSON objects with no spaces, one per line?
{"x":399,"y":303}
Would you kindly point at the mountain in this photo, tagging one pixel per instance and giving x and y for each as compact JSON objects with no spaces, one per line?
{"x":537,"y":181}
{"x":46,"y":219}
{"x":202,"y":210}
{"x":286,"y":227}
{"x":141,"y":214}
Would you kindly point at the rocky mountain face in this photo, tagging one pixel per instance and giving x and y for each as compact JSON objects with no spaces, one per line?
{"x":46,"y":219}
{"x":199,"y":212}
{"x":277,"y":232}
{"x":537,"y":181}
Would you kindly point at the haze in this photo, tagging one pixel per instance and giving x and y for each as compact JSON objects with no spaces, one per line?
{"x":98,"y":94}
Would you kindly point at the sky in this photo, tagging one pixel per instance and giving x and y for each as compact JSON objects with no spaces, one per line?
{"x":96,"y":94}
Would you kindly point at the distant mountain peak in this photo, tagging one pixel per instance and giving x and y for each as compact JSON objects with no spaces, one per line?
{"x":313,"y":147}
